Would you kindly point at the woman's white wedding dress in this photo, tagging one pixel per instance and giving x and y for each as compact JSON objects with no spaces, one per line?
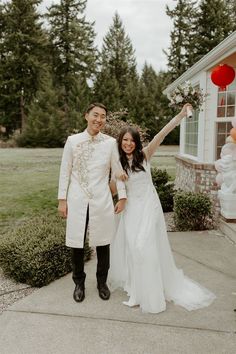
{"x":141,"y":259}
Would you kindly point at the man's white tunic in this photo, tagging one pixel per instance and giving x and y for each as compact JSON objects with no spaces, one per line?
{"x":83,"y":182}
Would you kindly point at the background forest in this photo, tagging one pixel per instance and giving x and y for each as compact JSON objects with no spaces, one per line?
{"x":50,"y":68}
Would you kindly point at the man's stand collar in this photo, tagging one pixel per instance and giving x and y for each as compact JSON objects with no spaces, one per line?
{"x":97,"y":137}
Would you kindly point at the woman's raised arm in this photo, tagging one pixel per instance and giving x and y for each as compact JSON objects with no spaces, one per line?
{"x":151,"y":148}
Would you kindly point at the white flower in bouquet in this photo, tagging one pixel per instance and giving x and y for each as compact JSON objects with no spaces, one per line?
{"x":186,"y":88}
{"x":179,"y":99}
{"x":186,"y":93}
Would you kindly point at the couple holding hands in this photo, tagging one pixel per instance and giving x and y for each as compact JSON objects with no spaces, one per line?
{"x":133,"y":244}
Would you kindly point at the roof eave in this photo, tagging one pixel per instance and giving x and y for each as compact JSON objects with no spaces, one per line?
{"x":222,"y":50}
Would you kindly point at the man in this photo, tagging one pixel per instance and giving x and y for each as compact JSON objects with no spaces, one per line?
{"x":84,"y":196}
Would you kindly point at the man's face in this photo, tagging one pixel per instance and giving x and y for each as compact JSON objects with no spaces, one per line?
{"x":96,"y":119}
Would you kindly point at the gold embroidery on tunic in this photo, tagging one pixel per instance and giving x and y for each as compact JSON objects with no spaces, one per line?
{"x":83,"y":153}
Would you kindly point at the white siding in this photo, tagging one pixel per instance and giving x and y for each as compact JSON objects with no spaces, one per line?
{"x":210,"y":116}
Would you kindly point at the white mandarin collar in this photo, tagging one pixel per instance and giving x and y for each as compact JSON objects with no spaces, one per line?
{"x":97,"y":137}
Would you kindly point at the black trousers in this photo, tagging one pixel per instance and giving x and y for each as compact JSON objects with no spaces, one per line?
{"x":103,"y":261}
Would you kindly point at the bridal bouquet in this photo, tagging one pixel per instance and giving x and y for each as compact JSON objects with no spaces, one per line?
{"x":186,"y":93}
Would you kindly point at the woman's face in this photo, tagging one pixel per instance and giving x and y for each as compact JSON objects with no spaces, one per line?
{"x":128,"y":144}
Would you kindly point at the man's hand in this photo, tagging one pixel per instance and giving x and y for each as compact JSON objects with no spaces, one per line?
{"x":120,"y":205}
{"x":62,"y":208}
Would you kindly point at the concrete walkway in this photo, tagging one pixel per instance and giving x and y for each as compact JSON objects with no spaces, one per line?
{"x":50,"y":322}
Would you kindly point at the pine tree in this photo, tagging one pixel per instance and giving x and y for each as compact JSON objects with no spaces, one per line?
{"x":22,"y":48}
{"x":181,"y":52}
{"x":214,"y":25}
{"x":46,"y":126}
{"x":73,"y":52}
{"x":117,"y":68}
{"x":166,"y":112}
{"x":147,"y":113}
{"x":231,"y":6}
{"x":153,"y":111}
{"x":4,"y":120}
{"x":107,"y":90}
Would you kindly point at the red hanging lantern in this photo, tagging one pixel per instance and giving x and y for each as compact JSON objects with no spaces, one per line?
{"x":222,"y":75}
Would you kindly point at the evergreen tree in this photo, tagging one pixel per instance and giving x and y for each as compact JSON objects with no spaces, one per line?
{"x":231,"y":6}
{"x":74,"y":55}
{"x":181,"y":53}
{"x":153,"y":111}
{"x":3,"y":112}
{"x":214,"y":25}
{"x":22,"y":48}
{"x":147,"y":110}
{"x":166,"y":112}
{"x":117,"y":78}
{"x":45,"y":125}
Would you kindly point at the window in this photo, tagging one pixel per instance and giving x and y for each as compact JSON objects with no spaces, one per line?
{"x":226,"y":101}
{"x":223,"y":130}
{"x":226,"y":109}
{"x":191,"y":135}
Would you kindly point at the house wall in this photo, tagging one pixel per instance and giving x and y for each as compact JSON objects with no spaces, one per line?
{"x":230,"y":60}
{"x":193,"y":176}
{"x":206,"y":131}
{"x":197,"y":173}
{"x":210,"y":111}
{"x":207,"y":116}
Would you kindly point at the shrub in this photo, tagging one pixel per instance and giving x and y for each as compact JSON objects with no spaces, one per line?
{"x":115,"y":123}
{"x":35,"y":252}
{"x":164,"y":189}
{"x":192,"y":211}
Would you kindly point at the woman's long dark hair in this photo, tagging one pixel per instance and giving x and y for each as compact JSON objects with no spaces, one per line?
{"x":138,"y":155}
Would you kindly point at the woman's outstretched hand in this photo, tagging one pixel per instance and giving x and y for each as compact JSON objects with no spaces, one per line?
{"x":184,"y":110}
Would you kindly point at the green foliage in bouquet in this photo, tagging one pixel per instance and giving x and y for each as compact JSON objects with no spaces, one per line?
{"x":192,"y":211}
{"x":35,"y":253}
{"x":164,"y":188}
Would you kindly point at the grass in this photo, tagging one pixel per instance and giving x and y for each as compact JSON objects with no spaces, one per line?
{"x":164,"y":159}
{"x":29,"y":181}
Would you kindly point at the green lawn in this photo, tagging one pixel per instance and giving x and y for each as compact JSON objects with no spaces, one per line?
{"x":164,"y":159}
{"x":29,"y":180}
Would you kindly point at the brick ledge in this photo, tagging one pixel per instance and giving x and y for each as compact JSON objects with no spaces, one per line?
{"x":195,"y":165}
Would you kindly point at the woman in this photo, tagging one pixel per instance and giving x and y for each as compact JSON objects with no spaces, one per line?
{"x":141,"y":259}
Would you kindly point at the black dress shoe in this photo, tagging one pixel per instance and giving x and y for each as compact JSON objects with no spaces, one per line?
{"x":103,"y":291}
{"x":79,"y":293}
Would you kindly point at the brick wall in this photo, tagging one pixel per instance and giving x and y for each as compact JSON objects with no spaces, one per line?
{"x":197,"y":177}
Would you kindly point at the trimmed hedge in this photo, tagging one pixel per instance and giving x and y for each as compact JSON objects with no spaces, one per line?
{"x":164,"y":188}
{"x":35,"y":253}
{"x":192,"y":211}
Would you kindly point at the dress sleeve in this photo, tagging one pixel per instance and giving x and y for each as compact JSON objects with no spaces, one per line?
{"x":65,"y":170}
{"x":116,"y":171}
{"x":151,"y":148}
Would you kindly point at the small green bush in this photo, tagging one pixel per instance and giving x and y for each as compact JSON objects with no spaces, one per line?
{"x":192,"y":211}
{"x":164,"y":188}
{"x":35,"y":253}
